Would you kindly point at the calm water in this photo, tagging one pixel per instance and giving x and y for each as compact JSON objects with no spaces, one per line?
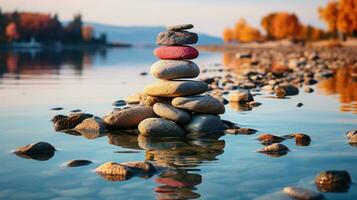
{"x":31,"y":83}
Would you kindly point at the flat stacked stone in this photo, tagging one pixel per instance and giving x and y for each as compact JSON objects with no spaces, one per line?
{"x":188,"y":113}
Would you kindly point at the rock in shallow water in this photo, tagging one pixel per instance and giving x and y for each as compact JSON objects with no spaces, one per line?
{"x":171,"y":113}
{"x":176,"y":52}
{"x":302,"y":193}
{"x":123,"y":171}
{"x":176,"y":38}
{"x":158,"y":127}
{"x":241,"y":97}
{"x":129,"y":117}
{"x":175,"y":88}
{"x":268,"y":139}
{"x":91,"y":125}
{"x":38,"y":151}
{"x":71,"y":122}
{"x":287,"y":89}
{"x":204,"y":125}
{"x":77,"y":163}
{"x":333,"y":181}
{"x":274,"y":150}
{"x":301,"y":139}
{"x":174,"y":69}
{"x":199,"y":104}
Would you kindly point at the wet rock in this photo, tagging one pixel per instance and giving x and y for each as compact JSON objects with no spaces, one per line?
{"x":268,"y":139}
{"x":254,"y":104}
{"x":143,"y":73}
{"x":176,"y":52}
{"x":241,"y":96}
{"x":351,"y":133}
{"x":176,"y":38}
{"x":123,"y":171}
{"x":112,"y":171}
{"x":129,"y":117}
{"x":246,"y":131}
{"x":91,"y":125}
{"x":75,"y":110}
{"x":204,"y":124}
{"x":174,"y":69}
{"x":353,"y":140}
{"x":199,"y":104}
{"x":57,"y":108}
{"x":158,"y":127}
{"x":37,"y":151}
{"x":289,"y":89}
{"x":71,"y":122}
{"x":175,"y":88}
{"x":280,"y":93}
{"x":275,"y":149}
{"x":180,"y":27}
{"x":333,"y":181}
{"x":302,"y":193}
{"x":58,"y":117}
{"x":299,"y":104}
{"x":310,"y":82}
{"x":77,"y":163}
{"x":120,"y":103}
{"x":308,"y":90}
{"x":301,"y":139}
{"x":171,"y":113}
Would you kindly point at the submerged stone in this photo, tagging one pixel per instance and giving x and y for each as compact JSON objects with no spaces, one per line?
{"x":71,"y":122}
{"x":333,"y":181}
{"x":78,"y":163}
{"x":302,"y":193}
{"x":37,"y":151}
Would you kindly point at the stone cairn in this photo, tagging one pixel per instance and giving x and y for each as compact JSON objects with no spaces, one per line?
{"x":173,"y":106}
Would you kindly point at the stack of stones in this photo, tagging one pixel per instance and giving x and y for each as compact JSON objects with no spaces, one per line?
{"x":182,"y":110}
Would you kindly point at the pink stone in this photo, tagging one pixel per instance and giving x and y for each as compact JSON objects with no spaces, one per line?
{"x":176,"y":52}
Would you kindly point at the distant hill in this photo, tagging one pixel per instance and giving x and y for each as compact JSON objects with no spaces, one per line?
{"x":141,"y":35}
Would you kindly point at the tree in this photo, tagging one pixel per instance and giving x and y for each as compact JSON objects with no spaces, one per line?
{"x":242,"y":32}
{"x":11,"y":31}
{"x":87,"y":33}
{"x":329,"y":14}
{"x":347,"y":17}
{"x":228,"y":35}
{"x":281,"y":25}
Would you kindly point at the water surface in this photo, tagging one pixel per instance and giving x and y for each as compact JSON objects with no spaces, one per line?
{"x":33,"y":82}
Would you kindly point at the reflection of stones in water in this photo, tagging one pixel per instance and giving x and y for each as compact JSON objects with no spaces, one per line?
{"x":123,"y":140}
{"x":343,"y":83}
{"x":239,"y":107}
{"x":177,"y":185}
{"x":333,"y":181}
{"x":181,"y":153}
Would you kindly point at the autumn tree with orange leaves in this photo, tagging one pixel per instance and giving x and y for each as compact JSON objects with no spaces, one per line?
{"x":242,"y":32}
{"x":340,"y":16}
{"x":11,"y":31}
{"x":281,"y":25}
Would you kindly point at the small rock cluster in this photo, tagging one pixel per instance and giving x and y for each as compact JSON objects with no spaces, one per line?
{"x":173,"y":106}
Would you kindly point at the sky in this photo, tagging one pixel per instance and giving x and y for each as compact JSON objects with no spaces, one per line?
{"x":208,"y":16}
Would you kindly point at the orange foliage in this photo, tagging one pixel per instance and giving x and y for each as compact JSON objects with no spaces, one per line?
{"x":310,"y":33}
{"x":242,"y":32}
{"x":228,"y":35}
{"x":87,"y":33}
{"x":341,"y":16}
{"x":34,"y":21}
{"x":281,"y":25}
{"x":329,"y":14}
{"x":246,"y":33}
{"x":11,"y":31}
{"x":347,"y":17}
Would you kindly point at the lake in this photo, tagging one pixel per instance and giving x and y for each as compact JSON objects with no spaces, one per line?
{"x":33,"y":82}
